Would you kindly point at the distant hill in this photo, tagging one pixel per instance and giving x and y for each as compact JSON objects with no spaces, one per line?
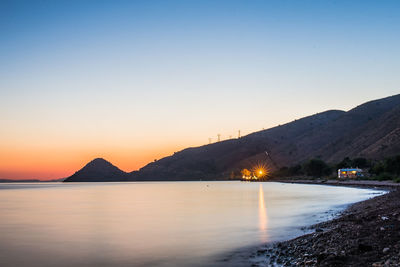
{"x":30,"y":181}
{"x":371,"y":130}
{"x":98,"y":170}
{"x":20,"y":181}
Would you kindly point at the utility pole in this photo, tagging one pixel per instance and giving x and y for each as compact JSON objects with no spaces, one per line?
{"x":219,"y":137}
{"x":239,"y":134}
{"x":273,"y":162}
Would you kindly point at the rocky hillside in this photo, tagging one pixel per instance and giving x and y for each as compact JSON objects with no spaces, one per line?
{"x":371,"y":130}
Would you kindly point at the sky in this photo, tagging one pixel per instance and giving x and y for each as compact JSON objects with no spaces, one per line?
{"x":134,"y":81}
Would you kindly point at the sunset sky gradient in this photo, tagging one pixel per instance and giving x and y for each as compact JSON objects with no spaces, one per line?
{"x":134,"y":81}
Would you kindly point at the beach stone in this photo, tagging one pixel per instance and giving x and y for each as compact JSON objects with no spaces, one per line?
{"x":321,"y":257}
{"x":364,"y":247}
{"x":385,"y":250}
{"x":319,"y":230}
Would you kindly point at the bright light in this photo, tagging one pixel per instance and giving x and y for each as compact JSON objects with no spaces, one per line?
{"x":260,"y":171}
{"x":257,"y":172}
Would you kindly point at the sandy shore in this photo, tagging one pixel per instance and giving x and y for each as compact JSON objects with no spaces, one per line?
{"x":365,"y":234}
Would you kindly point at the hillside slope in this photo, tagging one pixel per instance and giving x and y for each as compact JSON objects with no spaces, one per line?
{"x":210,"y":161}
{"x":371,"y":130}
{"x":356,"y":131}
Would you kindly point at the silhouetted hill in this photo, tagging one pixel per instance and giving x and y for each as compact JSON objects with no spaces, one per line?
{"x":98,"y":170}
{"x":30,"y":181}
{"x":371,"y":130}
{"x":210,"y":161}
{"x":20,"y":181}
{"x":355,"y":131}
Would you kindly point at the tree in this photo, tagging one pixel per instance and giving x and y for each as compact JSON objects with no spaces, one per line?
{"x":345,"y":163}
{"x":377,"y":168}
{"x":295,"y":170}
{"x":392,"y":165}
{"x":317,"y":168}
{"x":361,"y":163}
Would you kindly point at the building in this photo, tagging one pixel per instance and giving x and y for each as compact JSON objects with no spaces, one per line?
{"x":350,"y":173}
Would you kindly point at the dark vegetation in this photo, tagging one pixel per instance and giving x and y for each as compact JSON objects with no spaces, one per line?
{"x":386,"y":169}
{"x":312,"y":168}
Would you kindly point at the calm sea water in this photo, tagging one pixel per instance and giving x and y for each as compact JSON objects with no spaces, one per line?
{"x":157,"y":223}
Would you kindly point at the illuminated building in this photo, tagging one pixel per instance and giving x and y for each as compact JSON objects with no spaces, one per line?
{"x":350,"y":173}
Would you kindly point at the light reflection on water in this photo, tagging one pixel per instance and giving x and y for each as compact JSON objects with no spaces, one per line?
{"x":262,"y":215}
{"x":157,"y":224}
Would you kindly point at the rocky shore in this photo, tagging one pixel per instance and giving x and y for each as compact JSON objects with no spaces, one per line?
{"x":366,"y":234}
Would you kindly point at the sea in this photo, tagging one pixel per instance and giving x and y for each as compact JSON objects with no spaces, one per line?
{"x":157,"y":223}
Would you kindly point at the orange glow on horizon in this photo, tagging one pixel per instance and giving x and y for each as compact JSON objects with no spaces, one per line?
{"x":48,"y":164}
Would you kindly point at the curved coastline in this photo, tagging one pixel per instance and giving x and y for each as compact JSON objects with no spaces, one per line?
{"x":366,"y":233}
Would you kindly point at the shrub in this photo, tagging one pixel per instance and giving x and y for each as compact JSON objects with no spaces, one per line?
{"x":317,"y":168}
{"x":396,"y":180}
{"x":360,"y":163}
{"x":392,"y":165}
{"x":384,"y":177}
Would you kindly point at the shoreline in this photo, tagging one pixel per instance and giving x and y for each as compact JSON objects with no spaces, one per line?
{"x":352,"y":183}
{"x":366,"y":233}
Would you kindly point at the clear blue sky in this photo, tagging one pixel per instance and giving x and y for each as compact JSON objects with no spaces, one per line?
{"x":137,"y":80}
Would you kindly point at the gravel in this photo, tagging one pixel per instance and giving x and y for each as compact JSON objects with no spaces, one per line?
{"x":366,"y":234}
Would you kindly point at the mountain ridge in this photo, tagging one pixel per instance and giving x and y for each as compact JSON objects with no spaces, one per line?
{"x":370,"y":130}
